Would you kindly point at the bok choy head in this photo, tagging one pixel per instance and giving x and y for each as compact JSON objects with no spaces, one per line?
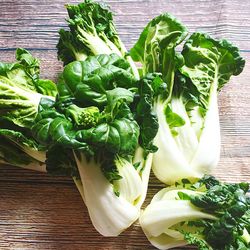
{"x":188,"y":138}
{"x":103,"y":154}
{"x":207,"y":214}
{"x":95,"y":119}
{"x":22,"y":95}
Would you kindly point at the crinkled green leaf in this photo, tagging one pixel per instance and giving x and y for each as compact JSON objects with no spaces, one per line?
{"x":228,"y":202}
{"x":149,"y":88}
{"x":209,"y":64}
{"x":117,"y":99}
{"x":92,"y":32}
{"x":17,"y":104}
{"x":52,"y":128}
{"x":21,"y":90}
{"x":47,"y":87}
{"x":155,"y":48}
{"x":195,"y":240}
{"x":215,"y":216}
{"x":118,"y":136}
{"x":70,"y":49}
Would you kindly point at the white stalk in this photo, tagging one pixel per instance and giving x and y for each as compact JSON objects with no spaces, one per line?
{"x":144,"y":171}
{"x":130,"y":185}
{"x":208,"y":152}
{"x":79,"y":186}
{"x":109,"y":213}
{"x":38,"y":155}
{"x":169,"y":163}
{"x":186,"y":139}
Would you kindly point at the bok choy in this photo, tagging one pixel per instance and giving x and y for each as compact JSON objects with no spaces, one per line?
{"x":22,"y":95}
{"x":207,"y":214}
{"x":188,"y":138}
{"x":95,"y":118}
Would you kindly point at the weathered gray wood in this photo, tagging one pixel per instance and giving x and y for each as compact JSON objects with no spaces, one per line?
{"x":42,"y":212}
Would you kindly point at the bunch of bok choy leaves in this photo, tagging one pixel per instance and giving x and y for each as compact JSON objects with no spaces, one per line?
{"x":107,"y":121}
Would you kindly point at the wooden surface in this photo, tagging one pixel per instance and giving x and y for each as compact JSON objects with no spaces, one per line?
{"x":41,"y":212}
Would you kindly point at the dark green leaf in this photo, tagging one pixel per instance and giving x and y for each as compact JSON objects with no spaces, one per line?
{"x":149,"y":88}
{"x":209,"y":64}
{"x":61,"y":162}
{"x":88,"y":81}
{"x":11,"y":154}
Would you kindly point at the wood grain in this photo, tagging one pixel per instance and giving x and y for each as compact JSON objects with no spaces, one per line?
{"x":42,"y":212}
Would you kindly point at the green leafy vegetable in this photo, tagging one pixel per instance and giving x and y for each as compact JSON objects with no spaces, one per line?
{"x":103,"y":149}
{"x":87,"y":81}
{"x":118,"y":133}
{"x":188,"y":138}
{"x":22,"y":95}
{"x":155,"y":48}
{"x":22,"y":90}
{"x":208,"y":214}
{"x":149,"y":88}
{"x":92,"y":32}
{"x":12,"y":154}
{"x":104,"y":125}
{"x":65,"y":165}
{"x":92,"y":27}
{"x":100,"y":174}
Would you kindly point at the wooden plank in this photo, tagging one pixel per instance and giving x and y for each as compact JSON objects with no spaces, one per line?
{"x":32,"y":216}
{"x":42,"y":212}
{"x":33,"y":24}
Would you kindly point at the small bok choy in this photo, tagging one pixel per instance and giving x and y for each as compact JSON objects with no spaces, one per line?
{"x":207,"y":214}
{"x":22,"y":95}
{"x":95,"y":118}
{"x":188,"y":138}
